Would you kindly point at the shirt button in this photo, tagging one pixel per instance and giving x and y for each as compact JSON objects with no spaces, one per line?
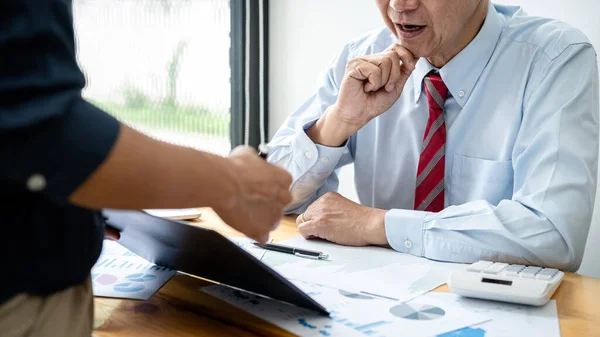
{"x":308,"y":154}
{"x":408,"y":244}
{"x":461,"y":93}
{"x":324,"y":159}
{"x":36,"y":183}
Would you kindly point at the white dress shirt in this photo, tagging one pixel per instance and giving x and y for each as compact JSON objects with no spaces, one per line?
{"x":521,"y":147}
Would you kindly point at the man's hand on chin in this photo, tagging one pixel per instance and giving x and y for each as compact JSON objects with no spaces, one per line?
{"x":337,"y":219}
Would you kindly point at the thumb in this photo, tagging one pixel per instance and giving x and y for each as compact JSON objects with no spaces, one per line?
{"x":263,"y":238}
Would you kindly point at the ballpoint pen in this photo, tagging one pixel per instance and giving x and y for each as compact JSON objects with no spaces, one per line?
{"x":310,"y":254}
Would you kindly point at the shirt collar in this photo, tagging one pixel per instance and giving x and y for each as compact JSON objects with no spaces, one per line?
{"x":462,"y":72}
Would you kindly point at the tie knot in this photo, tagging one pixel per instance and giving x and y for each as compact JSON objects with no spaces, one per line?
{"x":435,"y":90}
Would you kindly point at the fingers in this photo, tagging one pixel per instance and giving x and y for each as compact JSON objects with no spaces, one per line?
{"x":275,"y":225}
{"x":302,"y":218}
{"x":408,"y":60}
{"x":277,"y":193}
{"x":243,"y":150}
{"x":299,"y":220}
{"x":263,"y":238}
{"x":384,"y":70}
{"x":285,"y":196}
{"x":308,"y":229}
{"x":361,"y":70}
{"x":386,"y":67}
{"x":395,"y":72}
{"x":260,"y":229}
{"x":282,"y":176}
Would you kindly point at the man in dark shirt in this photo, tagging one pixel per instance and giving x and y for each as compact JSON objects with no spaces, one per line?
{"x":61,"y":159}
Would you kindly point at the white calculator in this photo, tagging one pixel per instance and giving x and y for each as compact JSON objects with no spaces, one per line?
{"x":504,"y":282}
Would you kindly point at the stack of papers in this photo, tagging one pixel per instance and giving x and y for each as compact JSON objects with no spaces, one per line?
{"x":372,"y":291}
{"x":369,"y":270}
{"x":122,"y":274}
{"x":354,"y":314}
{"x":507,"y":320}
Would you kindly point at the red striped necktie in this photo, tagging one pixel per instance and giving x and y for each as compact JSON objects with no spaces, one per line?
{"x":429,"y":192}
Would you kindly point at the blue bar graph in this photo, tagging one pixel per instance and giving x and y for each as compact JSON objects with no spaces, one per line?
{"x":372,"y":325}
{"x":465,"y":332}
{"x":304,"y":323}
{"x":101,"y":263}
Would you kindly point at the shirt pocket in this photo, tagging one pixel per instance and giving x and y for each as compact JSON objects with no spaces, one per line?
{"x":479,"y":179}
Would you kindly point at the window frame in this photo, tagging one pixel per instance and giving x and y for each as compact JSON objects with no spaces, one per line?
{"x":241,"y":93}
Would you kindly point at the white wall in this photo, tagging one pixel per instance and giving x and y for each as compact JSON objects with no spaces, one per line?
{"x":307,"y":34}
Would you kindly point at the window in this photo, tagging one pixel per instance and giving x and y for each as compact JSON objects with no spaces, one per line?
{"x":163,"y":67}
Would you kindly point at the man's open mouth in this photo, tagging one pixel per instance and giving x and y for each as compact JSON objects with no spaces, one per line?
{"x":409,"y":28}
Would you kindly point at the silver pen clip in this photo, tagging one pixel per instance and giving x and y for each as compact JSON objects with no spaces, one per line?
{"x":322,"y":256}
{"x":307,"y":256}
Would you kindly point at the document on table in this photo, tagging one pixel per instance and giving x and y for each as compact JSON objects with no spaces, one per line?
{"x":369,"y":270}
{"x":175,"y":214}
{"x":247,"y":244}
{"x":122,"y":274}
{"x":354,"y":314}
{"x":509,"y":319}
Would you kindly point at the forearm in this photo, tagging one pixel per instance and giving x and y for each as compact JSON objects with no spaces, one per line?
{"x":141,"y":172}
{"x":509,"y":232}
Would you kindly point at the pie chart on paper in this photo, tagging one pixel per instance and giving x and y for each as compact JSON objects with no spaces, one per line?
{"x":417,"y":312}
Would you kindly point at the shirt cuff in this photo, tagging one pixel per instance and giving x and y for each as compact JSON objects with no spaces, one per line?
{"x":78,"y":143}
{"x":404,"y":230}
{"x":315,"y":157}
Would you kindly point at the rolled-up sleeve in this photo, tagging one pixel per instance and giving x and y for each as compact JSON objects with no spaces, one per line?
{"x":51,"y":139}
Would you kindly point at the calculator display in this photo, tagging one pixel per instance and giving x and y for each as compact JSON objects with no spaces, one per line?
{"x":489,"y":280}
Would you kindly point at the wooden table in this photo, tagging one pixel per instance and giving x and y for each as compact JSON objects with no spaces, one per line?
{"x":181,"y":309}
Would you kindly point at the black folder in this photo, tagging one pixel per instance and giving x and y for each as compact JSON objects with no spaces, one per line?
{"x":204,"y":253}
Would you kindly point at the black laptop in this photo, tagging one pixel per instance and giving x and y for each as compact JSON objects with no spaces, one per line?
{"x":204,"y":253}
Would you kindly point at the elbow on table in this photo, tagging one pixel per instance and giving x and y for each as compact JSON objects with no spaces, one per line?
{"x":561,"y":255}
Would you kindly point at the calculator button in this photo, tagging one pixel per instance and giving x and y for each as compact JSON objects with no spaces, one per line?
{"x":479,"y":266}
{"x":513,"y":269}
{"x":547,"y":273}
{"x":527,"y":274}
{"x":495,"y":268}
{"x":530,"y":272}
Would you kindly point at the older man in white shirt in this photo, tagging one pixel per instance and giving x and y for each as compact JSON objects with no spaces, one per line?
{"x":473,"y":129}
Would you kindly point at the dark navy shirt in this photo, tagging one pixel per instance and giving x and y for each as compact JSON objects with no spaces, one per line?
{"x":51,"y":140}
